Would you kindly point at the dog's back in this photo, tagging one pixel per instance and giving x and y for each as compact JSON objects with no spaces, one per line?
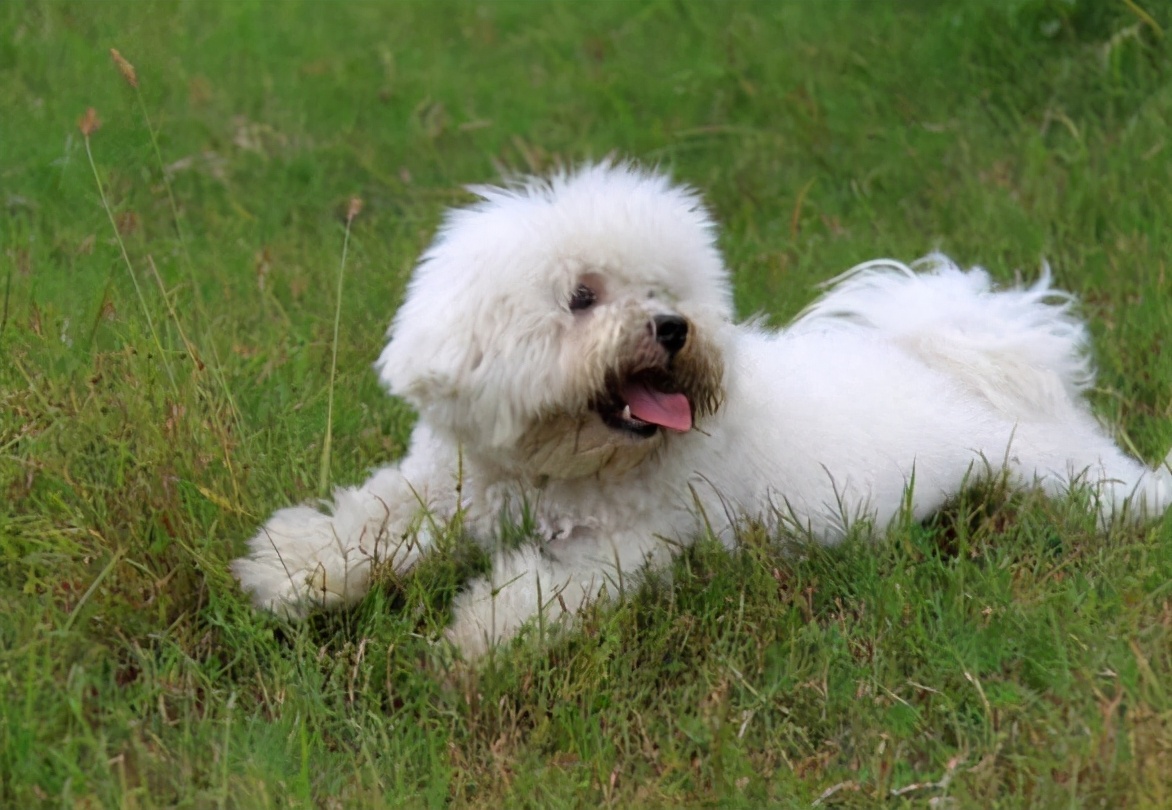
{"x":1021,"y":348}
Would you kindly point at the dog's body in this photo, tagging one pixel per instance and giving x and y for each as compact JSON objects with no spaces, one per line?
{"x":571,"y":351}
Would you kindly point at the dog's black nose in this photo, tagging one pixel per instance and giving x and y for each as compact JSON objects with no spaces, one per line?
{"x":671,"y":332}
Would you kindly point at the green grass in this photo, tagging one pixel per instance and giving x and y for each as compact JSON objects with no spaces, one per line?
{"x":1001,"y":656}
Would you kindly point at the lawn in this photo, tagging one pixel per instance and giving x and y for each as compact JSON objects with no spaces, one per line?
{"x":170,"y":278}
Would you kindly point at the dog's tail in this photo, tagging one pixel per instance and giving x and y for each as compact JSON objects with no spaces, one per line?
{"x":1021,"y":348}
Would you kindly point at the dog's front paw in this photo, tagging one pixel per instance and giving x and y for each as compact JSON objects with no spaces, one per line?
{"x":523,"y":586}
{"x":297,"y":562}
{"x":477,"y":625}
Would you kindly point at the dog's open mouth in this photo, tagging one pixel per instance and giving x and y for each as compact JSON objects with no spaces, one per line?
{"x":644,"y":402}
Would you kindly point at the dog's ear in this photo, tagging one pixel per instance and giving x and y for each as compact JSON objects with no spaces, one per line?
{"x":415,"y":365}
{"x":431,"y":352}
{"x":473,"y":362}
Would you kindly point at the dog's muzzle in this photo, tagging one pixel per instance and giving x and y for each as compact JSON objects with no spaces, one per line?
{"x":658,"y":386}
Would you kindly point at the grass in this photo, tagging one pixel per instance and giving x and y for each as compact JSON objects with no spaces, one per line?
{"x":157,"y":400}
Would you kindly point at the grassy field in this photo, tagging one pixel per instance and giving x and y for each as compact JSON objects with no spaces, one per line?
{"x":166,"y":335}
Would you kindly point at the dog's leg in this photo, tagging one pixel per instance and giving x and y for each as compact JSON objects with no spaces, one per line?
{"x":304,"y":558}
{"x":523,"y":584}
{"x":1129,"y":491}
{"x":1078,"y":453}
{"x":550,"y":583}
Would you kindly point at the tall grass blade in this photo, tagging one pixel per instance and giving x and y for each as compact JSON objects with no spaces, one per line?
{"x":323,"y":483}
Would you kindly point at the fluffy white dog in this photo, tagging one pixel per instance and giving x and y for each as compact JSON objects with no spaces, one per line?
{"x":569,"y":345}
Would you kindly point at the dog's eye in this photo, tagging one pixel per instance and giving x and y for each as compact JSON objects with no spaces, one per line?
{"x":583,"y":298}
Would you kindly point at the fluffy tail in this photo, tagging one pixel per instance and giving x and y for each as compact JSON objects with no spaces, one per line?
{"x":1022,"y":348}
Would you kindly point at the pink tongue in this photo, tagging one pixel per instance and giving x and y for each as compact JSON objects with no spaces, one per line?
{"x":667,"y":410}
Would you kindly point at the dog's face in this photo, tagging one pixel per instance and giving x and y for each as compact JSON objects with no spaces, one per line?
{"x":568,"y":328}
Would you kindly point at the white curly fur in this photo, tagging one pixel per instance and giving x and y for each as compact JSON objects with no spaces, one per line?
{"x":896,"y":372}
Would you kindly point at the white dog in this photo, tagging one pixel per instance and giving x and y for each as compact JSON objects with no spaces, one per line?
{"x":569,"y":345}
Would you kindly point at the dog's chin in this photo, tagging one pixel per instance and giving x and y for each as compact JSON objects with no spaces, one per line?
{"x":628,"y":415}
{"x":589,"y":444}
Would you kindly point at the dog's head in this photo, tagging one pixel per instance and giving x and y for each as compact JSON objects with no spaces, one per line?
{"x":566,"y":327}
